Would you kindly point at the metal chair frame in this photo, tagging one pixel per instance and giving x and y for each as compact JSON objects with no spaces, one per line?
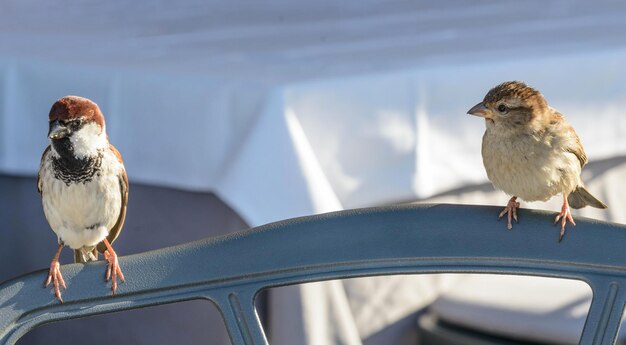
{"x":409,"y":239}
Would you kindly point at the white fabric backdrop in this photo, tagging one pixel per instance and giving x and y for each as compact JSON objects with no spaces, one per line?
{"x":295,"y":108}
{"x":289,"y":108}
{"x":310,"y":147}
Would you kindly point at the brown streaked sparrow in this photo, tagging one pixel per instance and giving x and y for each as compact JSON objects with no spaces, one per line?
{"x":83,"y":187}
{"x":530,"y":151}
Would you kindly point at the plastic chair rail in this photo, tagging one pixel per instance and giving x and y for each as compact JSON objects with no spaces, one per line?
{"x":230,"y":270}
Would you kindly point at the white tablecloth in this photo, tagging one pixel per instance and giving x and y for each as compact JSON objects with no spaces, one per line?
{"x":295,"y":108}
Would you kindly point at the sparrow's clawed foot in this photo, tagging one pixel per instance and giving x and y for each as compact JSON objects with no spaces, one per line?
{"x":511,"y":211}
{"x":54,"y":276}
{"x":564,"y":216}
{"x":113,"y":268}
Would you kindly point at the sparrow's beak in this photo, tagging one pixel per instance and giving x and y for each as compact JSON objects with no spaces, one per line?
{"x":480,"y":110}
{"x":57,"y":131}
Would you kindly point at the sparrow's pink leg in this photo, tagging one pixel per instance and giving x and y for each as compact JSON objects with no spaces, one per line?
{"x":54,"y":275}
{"x":564,"y":216}
{"x":511,"y":211}
{"x":113,"y":269}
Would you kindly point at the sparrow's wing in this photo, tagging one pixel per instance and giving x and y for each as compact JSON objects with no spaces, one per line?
{"x":43,"y":158}
{"x":576,"y":147}
{"x":572,"y":141}
{"x":115,"y":230}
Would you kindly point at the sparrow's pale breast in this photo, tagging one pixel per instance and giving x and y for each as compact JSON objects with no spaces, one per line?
{"x":82,"y":213}
{"x":532,"y":167}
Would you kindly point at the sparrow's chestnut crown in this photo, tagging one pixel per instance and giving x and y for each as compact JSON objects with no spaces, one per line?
{"x":69,"y":113}
{"x":70,"y":108}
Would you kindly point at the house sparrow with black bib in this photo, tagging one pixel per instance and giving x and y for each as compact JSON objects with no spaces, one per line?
{"x":531,"y":152}
{"x":83,"y":187}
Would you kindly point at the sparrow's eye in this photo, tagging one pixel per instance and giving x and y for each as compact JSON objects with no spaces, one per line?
{"x":75,"y":124}
{"x":502,"y":108}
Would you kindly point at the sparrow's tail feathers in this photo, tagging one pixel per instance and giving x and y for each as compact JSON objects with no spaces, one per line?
{"x":581,"y":197}
{"x":85,"y":254}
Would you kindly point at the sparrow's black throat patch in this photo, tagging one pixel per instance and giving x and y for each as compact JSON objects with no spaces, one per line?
{"x":70,"y":169}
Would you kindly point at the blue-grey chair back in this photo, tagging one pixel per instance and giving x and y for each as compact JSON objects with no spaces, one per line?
{"x":232,"y":269}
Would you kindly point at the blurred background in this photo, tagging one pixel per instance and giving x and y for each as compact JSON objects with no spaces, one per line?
{"x":235,"y":114}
